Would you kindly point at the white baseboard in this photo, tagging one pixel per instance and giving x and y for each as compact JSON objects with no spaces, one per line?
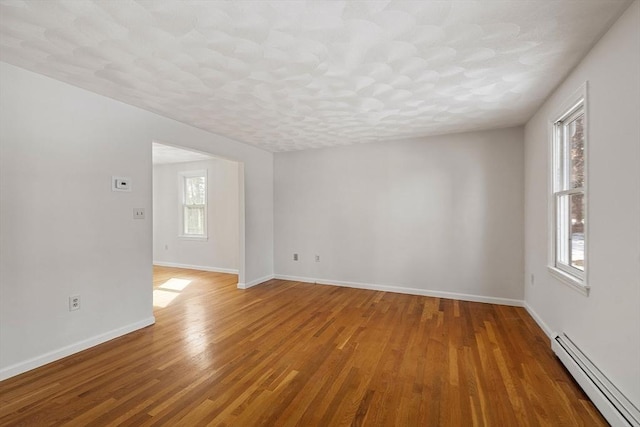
{"x":545,"y":328}
{"x":404,"y":290}
{"x":52,"y":356}
{"x":255,"y":282}
{"x":196,"y":267}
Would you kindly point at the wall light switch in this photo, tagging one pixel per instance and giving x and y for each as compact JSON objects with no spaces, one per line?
{"x":138,"y":213}
{"x":120,"y":183}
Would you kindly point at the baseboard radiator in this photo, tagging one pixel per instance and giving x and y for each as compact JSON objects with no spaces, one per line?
{"x":613,"y":405}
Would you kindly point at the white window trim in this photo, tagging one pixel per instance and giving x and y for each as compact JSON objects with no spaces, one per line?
{"x":181,"y":177}
{"x":578,"y":281}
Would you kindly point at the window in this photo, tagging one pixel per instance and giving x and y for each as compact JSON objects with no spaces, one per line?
{"x":568,"y":195}
{"x":193,"y":216}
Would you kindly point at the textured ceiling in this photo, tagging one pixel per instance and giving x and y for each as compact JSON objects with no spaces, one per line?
{"x":165,"y":154}
{"x":289,"y":75}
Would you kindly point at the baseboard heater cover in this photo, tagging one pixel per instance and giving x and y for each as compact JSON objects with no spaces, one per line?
{"x":613,"y":405}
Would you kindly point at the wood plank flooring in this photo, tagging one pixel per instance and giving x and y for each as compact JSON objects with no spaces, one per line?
{"x":293,"y":354}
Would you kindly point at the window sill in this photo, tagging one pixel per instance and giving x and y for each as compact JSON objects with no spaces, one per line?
{"x":194,"y":238}
{"x":569,"y":280}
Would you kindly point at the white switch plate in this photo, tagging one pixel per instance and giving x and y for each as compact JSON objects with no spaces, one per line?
{"x":120,"y":183}
{"x":138,"y":213}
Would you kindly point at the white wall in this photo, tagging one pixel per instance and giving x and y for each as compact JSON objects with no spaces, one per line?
{"x":220,"y":251}
{"x":606,"y":324}
{"x":64,"y":231}
{"x":438,"y":215}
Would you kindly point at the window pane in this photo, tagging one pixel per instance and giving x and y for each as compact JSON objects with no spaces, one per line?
{"x":577,"y":231}
{"x":193,"y":220}
{"x":576,"y":141}
{"x":194,"y":191}
{"x":562,"y":236}
{"x":560,"y":162}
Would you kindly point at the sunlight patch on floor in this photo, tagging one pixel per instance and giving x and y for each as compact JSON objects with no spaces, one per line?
{"x":174,"y":284}
{"x":168,"y":291}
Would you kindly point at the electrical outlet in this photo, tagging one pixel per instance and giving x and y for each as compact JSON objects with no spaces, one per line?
{"x":317,"y":258}
{"x":74,"y":302}
{"x":295,"y":257}
{"x":138,"y":213}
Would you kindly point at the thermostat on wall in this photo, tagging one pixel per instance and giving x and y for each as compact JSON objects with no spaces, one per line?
{"x":120,"y":183}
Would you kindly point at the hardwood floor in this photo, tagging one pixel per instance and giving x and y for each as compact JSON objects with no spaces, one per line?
{"x":287,"y":353}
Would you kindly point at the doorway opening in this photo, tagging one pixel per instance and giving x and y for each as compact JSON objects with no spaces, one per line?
{"x":198,"y":216}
